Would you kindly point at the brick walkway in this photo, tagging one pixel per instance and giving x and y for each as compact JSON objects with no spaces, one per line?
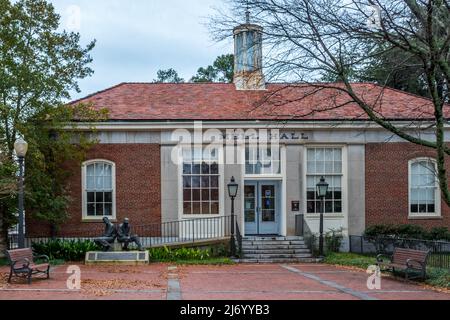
{"x":162,"y":281}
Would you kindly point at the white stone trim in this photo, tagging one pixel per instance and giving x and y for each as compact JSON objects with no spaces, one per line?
{"x":85,"y":217}
{"x":240,"y":124}
{"x":344,"y":213}
{"x":282,"y":227}
{"x":181,"y":215}
{"x":437,"y":205}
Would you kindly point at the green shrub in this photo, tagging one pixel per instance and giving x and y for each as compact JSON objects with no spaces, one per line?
{"x":333,"y":240}
{"x":166,"y":254}
{"x":68,"y":250}
{"x":439,"y":233}
{"x":219,"y":250}
{"x":380,"y":230}
{"x":438,"y":277}
{"x":312,"y":241}
{"x":408,"y":231}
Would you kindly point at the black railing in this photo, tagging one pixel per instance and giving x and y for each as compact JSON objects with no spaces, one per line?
{"x":239,"y":240}
{"x":440,"y":250}
{"x":152,"y":235}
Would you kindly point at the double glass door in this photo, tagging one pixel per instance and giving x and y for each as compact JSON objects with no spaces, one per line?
{"x":261,"y":211}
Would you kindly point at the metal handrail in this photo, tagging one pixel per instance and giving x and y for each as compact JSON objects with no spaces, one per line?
{"x":239,"y":239}
{"x":156,"y":234}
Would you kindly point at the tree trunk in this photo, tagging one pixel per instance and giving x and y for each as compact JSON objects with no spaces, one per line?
{"x":3,"y":234}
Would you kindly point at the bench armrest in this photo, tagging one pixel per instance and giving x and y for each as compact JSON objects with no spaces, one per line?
{"x":410,"y":265}
{"x":25,"y":261}
{"x":380,"y":257}
{"x":42,"y":256}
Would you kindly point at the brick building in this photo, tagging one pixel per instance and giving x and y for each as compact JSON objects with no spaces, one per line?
{"x":169,"y":150}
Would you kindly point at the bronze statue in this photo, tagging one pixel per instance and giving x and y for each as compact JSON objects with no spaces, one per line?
{"x":125,"y":237}
{"x":106,"y":241}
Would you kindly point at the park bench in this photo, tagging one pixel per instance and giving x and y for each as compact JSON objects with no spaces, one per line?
{"x":406,"y":260}
{"x":22,"y":262}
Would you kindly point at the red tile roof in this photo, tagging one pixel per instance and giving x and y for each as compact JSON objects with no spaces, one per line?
{"x":213,"y":101}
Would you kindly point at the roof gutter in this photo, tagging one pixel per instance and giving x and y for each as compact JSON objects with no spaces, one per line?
{"x":254,"y":124}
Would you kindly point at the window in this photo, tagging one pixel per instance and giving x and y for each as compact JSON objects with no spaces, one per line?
{"x":262,"y":161}
{"x":98,"y":189}
{"x":326,"y":162}
{"x":424,"y":196}
{"x":200,"y":181}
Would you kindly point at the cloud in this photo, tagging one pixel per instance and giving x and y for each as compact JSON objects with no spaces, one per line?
{"x":136,"y":38}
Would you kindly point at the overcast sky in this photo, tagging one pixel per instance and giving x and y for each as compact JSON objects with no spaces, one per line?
{"x":135,"y":38}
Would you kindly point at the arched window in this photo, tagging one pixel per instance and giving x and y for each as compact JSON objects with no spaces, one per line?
{"x":424,"y":194}
{"x":99,"y":190}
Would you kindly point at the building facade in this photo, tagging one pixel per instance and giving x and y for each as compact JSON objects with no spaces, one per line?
{"x":168,"y":152}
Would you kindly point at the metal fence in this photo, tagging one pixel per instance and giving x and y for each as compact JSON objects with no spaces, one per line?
{"x":440,"y":250}
{"x":152,"y":235}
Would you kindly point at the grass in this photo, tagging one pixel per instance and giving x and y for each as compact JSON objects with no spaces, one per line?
{"x":3,"y":262}
{"x":436,"y":277}
{"x":350,"y":259}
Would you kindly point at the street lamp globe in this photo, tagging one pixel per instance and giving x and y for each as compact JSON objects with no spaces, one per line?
{"x":21,"y":147}
{"x":322,"y":188}
{"x":232,"y":188}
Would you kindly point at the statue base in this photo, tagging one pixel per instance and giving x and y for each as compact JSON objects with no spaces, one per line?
{"x":117,"y":257}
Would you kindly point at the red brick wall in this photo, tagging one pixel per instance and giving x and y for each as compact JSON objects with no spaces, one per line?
{"x":387,"y":184}
{"x":138,"y":189}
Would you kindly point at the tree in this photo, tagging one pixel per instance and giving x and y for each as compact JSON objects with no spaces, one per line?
{"x":393,"y":68}
{"x":52,"y":152}
{"x":396,"y":69}
{"x":208,"y":74}
{"x":7,"y":191}
{"x":168,"y":76}
{"x":222,"y":70}
{"x":308,"y":39}
{"x":39,"y":66}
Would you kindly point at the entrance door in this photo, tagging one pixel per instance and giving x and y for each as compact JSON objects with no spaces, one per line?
{"x":261,"y":208}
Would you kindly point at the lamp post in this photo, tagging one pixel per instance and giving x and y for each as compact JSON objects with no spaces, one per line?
{"x":21,"y":148}
{"x":322,"y":189}
{"x":232,"y":193}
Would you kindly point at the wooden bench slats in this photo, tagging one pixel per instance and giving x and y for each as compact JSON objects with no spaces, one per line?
{"x":407,"y":260}
{"x":22,"y":263}
{"x":39,"y":266}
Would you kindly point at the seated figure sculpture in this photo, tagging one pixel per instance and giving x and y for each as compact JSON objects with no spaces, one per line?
{"x":124,"y":235}
{"x":106,"y":241}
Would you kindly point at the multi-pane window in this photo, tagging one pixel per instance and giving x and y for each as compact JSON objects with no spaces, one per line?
{"x":99,"y":189}
{"x":262,"y":160}
{"x":326,"y":162}
{"x":200,"y":181}
{"x":423,"y":189}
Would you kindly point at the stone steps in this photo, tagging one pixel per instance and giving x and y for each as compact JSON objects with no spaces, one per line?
{"x":275,"y":249}
{"x":273,"y":242}
{"x":270,"y":238}
{"x":290,"y":260}
{"x":276,"y":256}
